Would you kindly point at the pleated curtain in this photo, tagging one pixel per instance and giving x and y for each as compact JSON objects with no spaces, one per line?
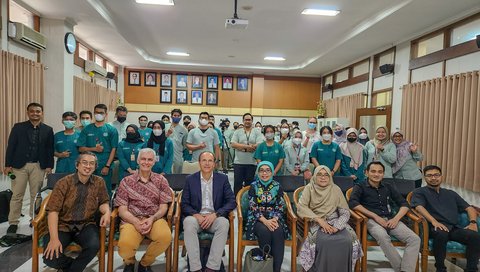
{"x":88,"y":94}
{"x":345,"y":106}
{"x":442,"y":116}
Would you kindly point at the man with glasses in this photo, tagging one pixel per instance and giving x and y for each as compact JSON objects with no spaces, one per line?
{"x":245,"y":141}
{"x":441,"y":208}
{"x":71,"y":210}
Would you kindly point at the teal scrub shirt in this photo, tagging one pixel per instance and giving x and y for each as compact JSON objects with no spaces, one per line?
{"x":164,"y":163}
{"x":272,"y":153}
{"x":127,"y":154}
{"x":66,"y":143}
{"x":145,"y":134}
{"x":326,"y":154}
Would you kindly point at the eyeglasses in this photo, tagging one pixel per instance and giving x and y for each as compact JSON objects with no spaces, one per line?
{"x":323,"y":175}
{"x":266,"y":171}
{"x":437,"y":175}
{"x":87,"y":163}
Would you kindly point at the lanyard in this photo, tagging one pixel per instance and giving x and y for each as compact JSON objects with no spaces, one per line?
{"x":297,"y":153}
{"x":247,"y":136}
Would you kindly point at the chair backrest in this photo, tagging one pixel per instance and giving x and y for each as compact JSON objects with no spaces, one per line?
{"x":290,"y":183}
{"x":348,"y":193}
{"x":297,"y":195}
{"x":403,"y":186}
{"x":344,"y":182}
{"x":53,"y":178}
{"x":176,"y":181}
{"x":190,"y":167}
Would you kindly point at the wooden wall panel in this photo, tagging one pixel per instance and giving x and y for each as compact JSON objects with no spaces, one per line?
{"x":291,"y":94}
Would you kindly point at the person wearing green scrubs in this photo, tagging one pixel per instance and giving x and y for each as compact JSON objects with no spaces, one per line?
{"x":187,"y":153}
{"x":100,"y":138}
{"x":66,"y":144}
{"x":326,"y":152}
{"x":203,"y":138}
{"x":85,"y":119}
{"x":127,"y":151}
{"x":163,"y":147}
{"x":178,"y":134}
{"x":144,"y":131}
{"x":270,"y":150}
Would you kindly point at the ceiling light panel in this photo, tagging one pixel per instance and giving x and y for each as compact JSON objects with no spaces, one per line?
{"x":321,"y":12}
{"x":181,"y":54}
{"x":156,"y":2}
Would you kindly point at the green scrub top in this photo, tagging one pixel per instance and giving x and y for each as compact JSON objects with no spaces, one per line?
{"x":66,"y":143}
{"x":127,"y":154}
{"x":163,"y":164}
{"x":272,"y":153}
{"x":326,"y":154}
{"x":145,"y":134}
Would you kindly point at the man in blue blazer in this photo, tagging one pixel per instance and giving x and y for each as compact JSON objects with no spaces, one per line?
{"x":207,"y":199}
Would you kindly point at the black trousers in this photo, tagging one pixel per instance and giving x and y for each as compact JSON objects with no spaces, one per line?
{"x":467,"y":237}
{"x":87,"y":238}
{"x":243,"y":175}
{"x":275,"y":239}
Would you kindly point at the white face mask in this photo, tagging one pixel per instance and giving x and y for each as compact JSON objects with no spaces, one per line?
{"x":203,"y":122}
{"x":363,"y":136}
{"x":143,"y":123}
{"x":327,"y":137}
{"x":99,"y":117}
{"x":284,"y":130}
{"x":157,"y":132}
{"x":297,"y":141}
{"x":269,"y":136}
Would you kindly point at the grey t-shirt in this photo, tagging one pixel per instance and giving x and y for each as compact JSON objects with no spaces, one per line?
{"x":179,"y":138}
{"x":209,"y":137}
{"x":240,"y":136}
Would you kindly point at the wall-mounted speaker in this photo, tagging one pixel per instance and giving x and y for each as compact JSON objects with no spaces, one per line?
{"x":329,"y":87}
{"x":110,"y":75}
{"x":386,"y":68}
{"x":478,"y":41}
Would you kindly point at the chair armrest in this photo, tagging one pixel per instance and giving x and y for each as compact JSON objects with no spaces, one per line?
{"x":41,"y":214}
{"x":360,"y":214}
{"x":177,"y":215}
{"x":414,"y":217}
{"x":356,"y":218}
{"x":231,"y":216}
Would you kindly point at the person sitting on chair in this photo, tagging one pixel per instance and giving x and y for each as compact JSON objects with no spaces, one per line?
{"x":441,"y":208}
{"x":207,"y":199}
{"x":71,"y":216}
{"x":142,"y":200}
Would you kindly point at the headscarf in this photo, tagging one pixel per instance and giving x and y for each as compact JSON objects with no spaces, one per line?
{"x":342,"y":138}
{"x":364,"y":141}
{"x":376,"y":141}
{"x":137,"y":138}
{"x":403,"y":152}
{"x":160,"y":140}
{"x":269,"y":164}
{"x":319,"y":201}
{"x":353,"y":150}
{"x":295,"y":134}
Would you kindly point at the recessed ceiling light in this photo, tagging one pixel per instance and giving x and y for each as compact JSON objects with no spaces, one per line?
{"x":321,"y":12}
{"x":274,"y":58}
{"x":182,"y":54}
{"x":156,"y":2}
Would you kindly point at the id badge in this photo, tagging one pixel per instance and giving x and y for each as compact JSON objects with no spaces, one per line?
{"x":132,"y":157}
{"x":157,"y":158}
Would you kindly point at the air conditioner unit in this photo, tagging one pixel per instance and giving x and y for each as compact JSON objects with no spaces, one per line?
{"x":23,"y":34}
{"x":91,"y":66}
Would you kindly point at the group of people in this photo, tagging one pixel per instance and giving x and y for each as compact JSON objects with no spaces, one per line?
{"x":148,"y":152}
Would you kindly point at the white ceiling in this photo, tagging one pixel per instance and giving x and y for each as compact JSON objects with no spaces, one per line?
{"x":136,"y":35}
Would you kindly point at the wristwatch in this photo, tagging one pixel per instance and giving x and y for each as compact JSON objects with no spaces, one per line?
{"x":473,"y":222}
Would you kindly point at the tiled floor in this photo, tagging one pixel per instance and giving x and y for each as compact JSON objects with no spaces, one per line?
{"x":18,"y":258}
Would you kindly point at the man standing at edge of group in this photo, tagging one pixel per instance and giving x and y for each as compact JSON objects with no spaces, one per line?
{"x":203,"y":138}
{"x":101,"y":139}
{"x":245,"y":142}
{"x":121,"y":123}
{"x":29,"y":157}
{"x":178,"y":134}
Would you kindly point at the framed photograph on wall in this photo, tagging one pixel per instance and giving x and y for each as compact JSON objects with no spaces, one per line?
{"x":197,"y":96}
{"x":182,"y":97}
{"x":166,"y":80}
{"x":212,"y":98}
{"x":212,"y":82}
{"x":227,"y":83}
{"x":242,"y":83}
{"x":182,"y":81}
{"x":134,"y":78}
{"x":165,"y":96}
{"x":150,"y":79}
{"x":197,"y":82}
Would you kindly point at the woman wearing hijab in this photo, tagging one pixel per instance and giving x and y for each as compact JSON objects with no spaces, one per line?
{"x":266,"y":216}
{"x":127,"y":151}
{"x":326,"y":152}
{"x":331,"y":244}
{"x":340,"y":135}
{"x":354,"y":157}
{"x":270,"y":151}
{"x":163,"y":147}
{"x":407,"y":157}
{"x":297,"y":160}
{"x":383,"y":150}
{"x":363,"y":136}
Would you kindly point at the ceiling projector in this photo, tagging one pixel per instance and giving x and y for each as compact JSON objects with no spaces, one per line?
{"x":235,"y":23}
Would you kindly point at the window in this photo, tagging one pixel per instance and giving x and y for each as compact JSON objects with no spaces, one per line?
{"x":98,"y":60}
{"x":110,"y":67}
{"x":361,"y":68}
{"x":21,"y":15}
{"x":381,"y":99}
{"x":430,"y":45}
{"x":342,"y":76}
{"x":465,"y":33}
{"x":328,"y":80}
{"x":82,"y":52}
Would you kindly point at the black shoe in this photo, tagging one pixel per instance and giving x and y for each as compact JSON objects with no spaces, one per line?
{"x":129,"y":268}
{"x":142,"y":268}
{"x":12,"y":229}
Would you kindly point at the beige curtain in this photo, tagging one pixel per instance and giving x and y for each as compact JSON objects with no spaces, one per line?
{"x":345,"y":106}
{"x":442,"y":115}
{"x":88,"y":94}
{"x":21,"y":82}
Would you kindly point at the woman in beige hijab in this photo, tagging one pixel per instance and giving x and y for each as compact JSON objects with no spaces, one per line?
{"x":383,"y":150}
{"x":331,"y":244}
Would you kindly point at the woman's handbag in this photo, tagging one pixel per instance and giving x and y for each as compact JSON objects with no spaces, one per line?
{"x":258,"y":260}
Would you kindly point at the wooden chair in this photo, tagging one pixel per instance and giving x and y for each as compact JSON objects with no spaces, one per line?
{"x":454,"y":249}
{"x":242,"y":209}
{"x":205,"y":238}
{"x":368,"y":241}
{"x":40,"y":229}
{"x":303,"y":224}
{"x":114,"y":235}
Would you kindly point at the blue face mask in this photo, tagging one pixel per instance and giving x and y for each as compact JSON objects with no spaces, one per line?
{"x":85,"y":122}
{"x":339,"y":133}
{"x":312,"y":125}
{"x":176,"y":120}
{"x":69,"y":124}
